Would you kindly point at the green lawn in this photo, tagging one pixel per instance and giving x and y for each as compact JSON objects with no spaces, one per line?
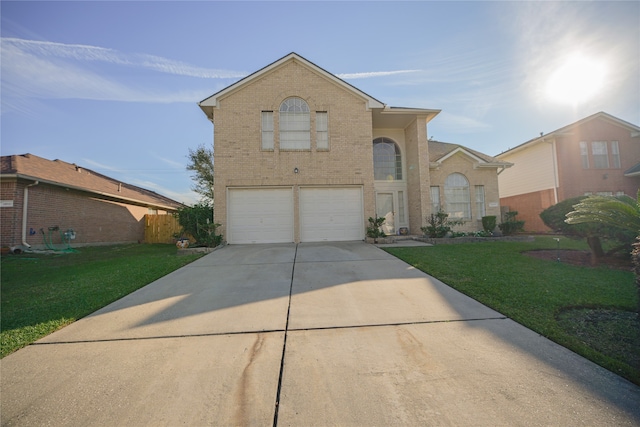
{"x":42,"y":293}
{"x":539,"y":294}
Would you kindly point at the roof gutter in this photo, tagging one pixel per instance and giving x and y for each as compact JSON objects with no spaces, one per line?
{"x":25,"y":207}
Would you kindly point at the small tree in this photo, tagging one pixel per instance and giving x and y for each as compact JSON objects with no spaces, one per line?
{"x":439,"y":225}
{"x":201,"y":163}
{"x":511,"y":225}
{"x":197,"y":221}
{"x":374,"y":230}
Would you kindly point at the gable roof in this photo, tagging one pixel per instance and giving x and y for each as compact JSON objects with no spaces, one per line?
{"x":441,"y":151}
{"x":68,"y":175}
{"x":209,"y":104}
{"x":635,"y":130}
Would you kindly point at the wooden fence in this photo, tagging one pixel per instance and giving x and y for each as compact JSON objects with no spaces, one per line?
{"x":160,"y":228}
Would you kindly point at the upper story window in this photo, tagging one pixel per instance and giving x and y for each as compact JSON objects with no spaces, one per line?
{"x":295,"y":125}
{"x":387,"y":160}
{"x":267,"y":130}
{"x":456,"y":196}
{"x":600,"y":154}
{"x":322,"y":130}
{"x":615,"y":155}
{"x":584,"y":154}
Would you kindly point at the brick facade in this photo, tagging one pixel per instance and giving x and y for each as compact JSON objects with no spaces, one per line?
{"x":565,"y":175}
{"x":103,"y":213}
{"x":354,"y":120}
{"x":240,"y":161}
{"x":487,"y":177}
{"x":94,"y":220}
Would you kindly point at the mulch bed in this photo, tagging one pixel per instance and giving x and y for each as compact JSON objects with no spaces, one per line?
{"x":582,"y":258}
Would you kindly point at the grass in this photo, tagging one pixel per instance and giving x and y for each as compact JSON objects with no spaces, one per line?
{"x":42,"y":293}
{"x":542,"y":295}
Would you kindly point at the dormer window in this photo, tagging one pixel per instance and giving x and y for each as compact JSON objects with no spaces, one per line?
{"x":295,"y":125}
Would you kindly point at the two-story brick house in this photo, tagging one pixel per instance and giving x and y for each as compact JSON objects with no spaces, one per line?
{"x":599,"y":154}
{"x":302,"y":156}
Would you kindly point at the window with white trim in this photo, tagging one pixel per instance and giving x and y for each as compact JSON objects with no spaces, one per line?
{"x":322,"y":130}
{"x":615,"y":154}
{"x":387,"y":160}
{"x":267,"y":130}
{"x":600,"y":154}
{"x":584,"y":154}
{"x":435,"y":199}
{"x":401,"y":206}
{"x":295,"y":125}
{"x":456,"y":196}
{"x":480,"y":207}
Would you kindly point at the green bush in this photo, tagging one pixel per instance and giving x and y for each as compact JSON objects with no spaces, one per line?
{"x":197,"y":220}
{"x":374,"y":229}
{"x":510,"y":225}
{"x":489,"y":223}
{"x":439,"y":225}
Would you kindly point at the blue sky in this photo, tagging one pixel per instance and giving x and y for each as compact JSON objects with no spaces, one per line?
{"x":114,"y":86}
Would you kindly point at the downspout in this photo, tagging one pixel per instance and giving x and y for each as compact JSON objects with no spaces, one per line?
{"x":25,"y":206}
{"x":555,"y":170}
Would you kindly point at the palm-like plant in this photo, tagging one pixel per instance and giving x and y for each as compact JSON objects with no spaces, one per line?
{"x":622,"y":212}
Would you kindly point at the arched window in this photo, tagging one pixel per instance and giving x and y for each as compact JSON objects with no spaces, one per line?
{"x":456,"y":196}
{"x":387,"y":160}
{"x":295,"y":125}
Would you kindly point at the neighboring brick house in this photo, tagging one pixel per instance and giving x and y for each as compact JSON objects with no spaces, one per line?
{"x":302,"y":156}
{"x":599,"y":154}
{"x":36,"y":194}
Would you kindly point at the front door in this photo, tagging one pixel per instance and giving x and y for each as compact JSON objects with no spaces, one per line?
{"x":384,"y":209}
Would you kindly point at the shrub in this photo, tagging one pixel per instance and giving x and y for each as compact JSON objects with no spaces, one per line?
{"x":489,"y":223}
{"x":439,"y":225}
{"x":197,"y":220}
{"x":374,"y":229}
{"x":510,"y":225}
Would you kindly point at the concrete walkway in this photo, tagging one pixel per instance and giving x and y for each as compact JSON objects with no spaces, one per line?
{"x":304,"y":335}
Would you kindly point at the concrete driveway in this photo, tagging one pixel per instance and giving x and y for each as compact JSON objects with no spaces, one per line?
{"x":304,"y":335}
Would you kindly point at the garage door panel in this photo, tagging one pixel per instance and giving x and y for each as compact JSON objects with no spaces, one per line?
{"x":260,"y":215}
{"x":331,"y":214}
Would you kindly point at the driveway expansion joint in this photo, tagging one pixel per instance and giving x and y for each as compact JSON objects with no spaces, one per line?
{"x":284,"y":342}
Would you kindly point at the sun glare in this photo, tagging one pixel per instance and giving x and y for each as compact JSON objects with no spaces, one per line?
{"x":578,"y":79}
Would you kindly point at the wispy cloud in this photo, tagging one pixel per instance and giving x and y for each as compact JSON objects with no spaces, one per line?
{"x":454,"y":123}
{"x":369,"y":74}
{"x":80,"y":52}
{"x":33,"y":69}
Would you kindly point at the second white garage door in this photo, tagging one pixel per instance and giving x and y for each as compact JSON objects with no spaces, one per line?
{"x":331,"y":214}
{"x":260,"y":215}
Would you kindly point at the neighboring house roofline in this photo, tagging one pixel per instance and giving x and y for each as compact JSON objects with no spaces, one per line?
{"x":62,"y":174}
{"x":86,"y":190}
{"x":635,"y":131}
{"x":210,"y":103}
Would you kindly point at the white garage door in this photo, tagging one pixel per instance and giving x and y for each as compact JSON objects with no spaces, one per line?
{"x":331,"y":214}
{"x":260,"y":215}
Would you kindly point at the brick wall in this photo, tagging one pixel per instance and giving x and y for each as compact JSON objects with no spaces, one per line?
{"x":240,"y":161}
{"x":576,"y":181}
{"x":529,"y":206}
{"x":94,"y":220}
